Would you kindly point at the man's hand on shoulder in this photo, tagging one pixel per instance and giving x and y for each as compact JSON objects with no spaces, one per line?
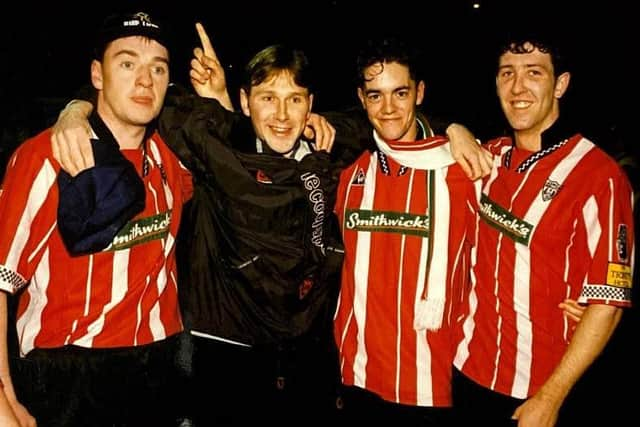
{"x":320,"y":131}
{"x":70,"y":138}
{"x":475,"y":161}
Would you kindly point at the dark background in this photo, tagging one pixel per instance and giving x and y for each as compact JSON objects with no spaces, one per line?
{"x":45,"y":51}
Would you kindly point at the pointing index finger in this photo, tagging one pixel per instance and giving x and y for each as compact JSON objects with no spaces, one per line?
{"x":206,"y":43}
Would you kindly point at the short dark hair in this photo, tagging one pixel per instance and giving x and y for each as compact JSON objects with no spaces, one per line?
{"x":527,"y":41}
{"x":387,"y":50}
{"x":274,"y":59}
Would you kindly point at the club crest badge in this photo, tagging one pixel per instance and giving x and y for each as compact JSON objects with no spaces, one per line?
{"x":550,"y":189}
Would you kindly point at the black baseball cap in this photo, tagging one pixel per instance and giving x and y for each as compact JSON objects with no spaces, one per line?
{"x":129,"y":24}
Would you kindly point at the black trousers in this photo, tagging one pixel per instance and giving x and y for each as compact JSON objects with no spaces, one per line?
{"x":590,"y":403}
{"x":293,"y":384}
{"x":361,"y":407}
{"x":75,"y":386}
{"x":477,"y":405}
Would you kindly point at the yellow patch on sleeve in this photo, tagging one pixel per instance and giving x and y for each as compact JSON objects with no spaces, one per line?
{"x":619,"y":275}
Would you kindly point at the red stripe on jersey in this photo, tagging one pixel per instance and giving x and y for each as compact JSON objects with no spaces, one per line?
{"x":419,"y":145}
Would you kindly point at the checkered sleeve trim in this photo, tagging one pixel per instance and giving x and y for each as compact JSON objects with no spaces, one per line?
{"x":10,"y":280}
{"x":606,"y":292}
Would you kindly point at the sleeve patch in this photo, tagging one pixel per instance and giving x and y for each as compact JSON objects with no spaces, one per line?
{"x":621,"y":243}
{"x":619,"y":275}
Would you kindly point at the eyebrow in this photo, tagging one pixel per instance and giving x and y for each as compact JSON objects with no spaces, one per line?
{"x":275,"y":93}
{"x":134,"y":53}
{"x":405,"y":87}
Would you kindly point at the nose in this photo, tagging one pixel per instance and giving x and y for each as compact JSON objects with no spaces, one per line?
{"x":518,"y":83}
{"x":282,"y":113}
{"x":387,"y":105}
{"x":144,"y":77}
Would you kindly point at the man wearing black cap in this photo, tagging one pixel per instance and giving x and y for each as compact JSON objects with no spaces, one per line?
{"x":97,"y":331}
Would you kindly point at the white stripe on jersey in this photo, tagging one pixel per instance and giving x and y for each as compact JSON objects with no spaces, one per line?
{"x":147,"y":280}
{"x":362,"y":277}
{"x":590,"y":215}
{"x":423,"y":352}
{"x":565,"y":277}
{"x":87,"y":297}
{"x":468,"y":326}
{"x":339,"y":302}
{"x":399,"y":288}
{"x":612,"y":235}
{"x":37,"y":289}
{"x":157,"y":329}
{"x":119,"y":286}
{"x":37,"y":196}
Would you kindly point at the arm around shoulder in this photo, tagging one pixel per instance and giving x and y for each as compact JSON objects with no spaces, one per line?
{"x":468,"y":152}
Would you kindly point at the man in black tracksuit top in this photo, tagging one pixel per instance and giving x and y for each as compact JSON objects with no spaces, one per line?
{"x":261,"y":252}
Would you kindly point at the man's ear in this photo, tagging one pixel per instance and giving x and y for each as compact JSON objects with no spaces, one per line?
{"x":361,"y":97}
{"x":244,"y":102}
{"x":96,"y":74}
{"x":310,"y":106}
{"x":420,"y":88}
{"x":562,"y":83}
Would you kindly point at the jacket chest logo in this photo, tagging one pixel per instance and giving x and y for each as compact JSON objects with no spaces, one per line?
{"x":263,"y":178}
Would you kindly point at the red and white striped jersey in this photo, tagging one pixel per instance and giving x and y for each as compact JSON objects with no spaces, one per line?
{"x":406,"y":231}
{"x":553,"y":224}
{"x":123,"y":296}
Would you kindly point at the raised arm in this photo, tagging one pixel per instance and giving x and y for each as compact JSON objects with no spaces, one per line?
{"x":207,"y":74}
{"x":196,"y":126}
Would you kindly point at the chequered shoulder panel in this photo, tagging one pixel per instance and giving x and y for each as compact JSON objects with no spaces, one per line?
{"x":605,"y":292}
{"x":11,"y":278}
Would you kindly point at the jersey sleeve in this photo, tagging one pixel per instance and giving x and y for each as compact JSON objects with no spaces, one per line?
{"x":473,"y":200}
{"x":608,"y":221}
{"x":25,"y":197}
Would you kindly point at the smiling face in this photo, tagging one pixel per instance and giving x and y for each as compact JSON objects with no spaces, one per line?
{"x":131,"y":80}
{"x":529,"y":93}
{"x":390,"y":96}
{"x":279,"y":109}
